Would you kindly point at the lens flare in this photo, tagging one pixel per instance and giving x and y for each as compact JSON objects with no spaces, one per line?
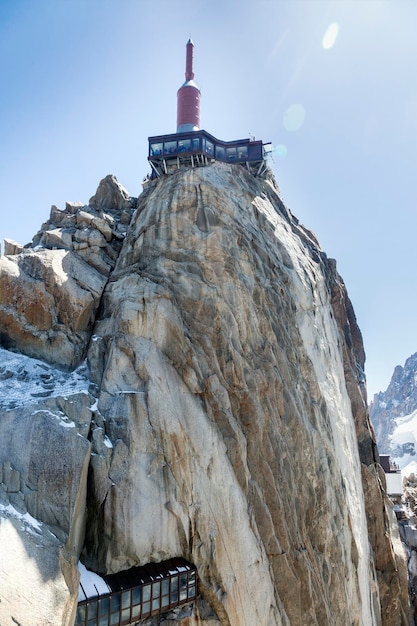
{"x":294,"y":117}
{"x":280,"y":151}
{"x":330,"y":36}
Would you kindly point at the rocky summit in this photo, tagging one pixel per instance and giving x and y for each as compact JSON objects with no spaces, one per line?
{"x":393,"y":407}
{"x":182,"y":376}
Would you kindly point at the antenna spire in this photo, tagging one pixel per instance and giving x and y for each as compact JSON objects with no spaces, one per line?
{"x":189,"y":74}
{"x":188,"y":97}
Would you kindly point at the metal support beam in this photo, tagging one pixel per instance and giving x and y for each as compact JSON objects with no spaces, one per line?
{"x":155,"y":169}
{"x":261,"y":168}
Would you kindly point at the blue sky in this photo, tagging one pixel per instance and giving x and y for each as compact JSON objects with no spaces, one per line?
{"x":85,"y":82}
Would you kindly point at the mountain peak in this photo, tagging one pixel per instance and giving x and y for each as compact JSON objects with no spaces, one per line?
{"x":219,"y":416}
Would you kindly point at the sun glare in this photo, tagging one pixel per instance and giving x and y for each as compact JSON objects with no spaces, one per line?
{"x":294,"y":117}
{"x":280,"y":150}
{"x":330,"y":36}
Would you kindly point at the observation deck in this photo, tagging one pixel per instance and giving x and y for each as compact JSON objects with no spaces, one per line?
{"x":197,"y":148}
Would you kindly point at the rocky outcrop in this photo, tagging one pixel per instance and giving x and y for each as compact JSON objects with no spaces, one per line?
{"x":201,"y":355}
{"x":45,"y":420}
{"x":12,"y":247}
{"x":33,"y":589}
{"x":49,"y":300}
{"x":51,"y":290}
{"x":230,"y":425}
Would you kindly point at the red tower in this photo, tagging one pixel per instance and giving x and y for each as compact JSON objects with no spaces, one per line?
{"x":188,"y":97}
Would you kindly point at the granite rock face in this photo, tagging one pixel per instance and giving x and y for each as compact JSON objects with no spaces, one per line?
{"x":50,"y":290}
{"x":45,"y":419}
{"x":230,"y":423}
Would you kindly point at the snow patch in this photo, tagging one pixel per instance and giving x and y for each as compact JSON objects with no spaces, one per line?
{"x":24,"y":380}
{"x":411,"y":468}
{"x":92,"y":584}
{"x":59,"y":416}
{"x":26,"y":518}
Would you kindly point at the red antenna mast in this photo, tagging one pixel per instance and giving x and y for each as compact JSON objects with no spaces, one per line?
{"x":188,"y":97}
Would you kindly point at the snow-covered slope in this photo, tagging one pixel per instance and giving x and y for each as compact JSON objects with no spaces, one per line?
{"x":404,"y":443}
{"x":399,"y":401}
{"x":394,"y":416}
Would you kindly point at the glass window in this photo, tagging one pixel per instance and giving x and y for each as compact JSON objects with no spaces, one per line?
{"x":165,"y":587}
{"x":191,"y":592}
{"x":104,"y":605}
{"x":164,"y":601}
{"x":184,"y":145}
{"x":195,"y":143}
{"x":135,"y":612}
{"x":104,"y":620}
{"x":136,"y":595}
{"x":114,"y":619}
{"x":220,"y":153}
{"x":92,"y":611}
{"x":191,"y":577}
{"x":231,"y":154}
{"x":126,"y":616}
{"x":170,"y":147}
{"x":156,"y":149}
{"x":183,"y":586}
{"x":156,"y":589}
{"x":156,"y":603}
{"x":146,"y":593}
{"x":80,"y":619}
{"x":242,"y":152}
{"x":125,"y":599}
{"x":146,"y":608}
{"x":115,"y":603}
{"x":208,"y":147}
{"x":174,"y":589}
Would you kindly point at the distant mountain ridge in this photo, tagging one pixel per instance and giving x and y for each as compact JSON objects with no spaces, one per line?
{"x":398,"y":401}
